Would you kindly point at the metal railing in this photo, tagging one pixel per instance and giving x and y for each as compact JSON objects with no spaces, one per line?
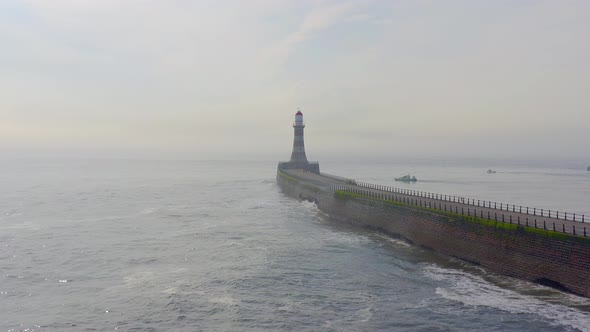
{"x":423,"y":200}
{"x":480,"y":203}
{"x":477,"y":204}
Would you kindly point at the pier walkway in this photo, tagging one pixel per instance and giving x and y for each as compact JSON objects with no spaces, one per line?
{"x":543,"y":219}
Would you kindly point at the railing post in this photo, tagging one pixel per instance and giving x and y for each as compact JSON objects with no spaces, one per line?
{"x":544,"y":225}
{"x":574,"y":226}
{"x":534,"y":211}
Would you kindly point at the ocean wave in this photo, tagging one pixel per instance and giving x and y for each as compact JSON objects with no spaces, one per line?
{"x":396,"y":243}
{"x":225,"y":300}
{"x":473,"y":290}
{"x":148,"y":211}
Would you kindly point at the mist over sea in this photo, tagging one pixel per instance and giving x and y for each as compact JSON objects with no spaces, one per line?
{"x":158,"y":245}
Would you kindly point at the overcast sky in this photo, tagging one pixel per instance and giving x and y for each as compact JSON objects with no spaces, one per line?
{"x":224,"y":78}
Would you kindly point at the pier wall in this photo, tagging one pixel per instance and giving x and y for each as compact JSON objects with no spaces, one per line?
{"x":534,"y":255}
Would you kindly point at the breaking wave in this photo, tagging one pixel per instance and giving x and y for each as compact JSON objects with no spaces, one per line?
{"x":473,"y":290}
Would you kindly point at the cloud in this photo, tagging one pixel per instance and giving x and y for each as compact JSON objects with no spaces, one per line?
{"x":320,"y":17}
{"x":142,"y":73}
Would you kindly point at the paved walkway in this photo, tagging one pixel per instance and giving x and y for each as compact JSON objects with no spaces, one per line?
{"x":505,"y":214}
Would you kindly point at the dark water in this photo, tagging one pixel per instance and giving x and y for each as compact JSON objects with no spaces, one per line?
{"x":167,"y":245}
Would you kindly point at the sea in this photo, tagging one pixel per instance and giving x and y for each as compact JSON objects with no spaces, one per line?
{"x":115,"y":244}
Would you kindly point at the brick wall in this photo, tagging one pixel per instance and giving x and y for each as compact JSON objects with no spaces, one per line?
{"x":557,"y":262}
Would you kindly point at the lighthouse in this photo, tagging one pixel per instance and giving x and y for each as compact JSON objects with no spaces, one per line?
{"x":298,"y":157}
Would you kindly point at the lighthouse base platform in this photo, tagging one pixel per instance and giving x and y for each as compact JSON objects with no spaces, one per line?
{"x":311,"y":166}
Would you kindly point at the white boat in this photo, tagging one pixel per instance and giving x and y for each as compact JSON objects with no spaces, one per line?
{"x":407,"y":178}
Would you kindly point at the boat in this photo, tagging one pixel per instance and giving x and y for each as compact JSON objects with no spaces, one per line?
{"x":491,"y":171}
{"x":407,"y":178}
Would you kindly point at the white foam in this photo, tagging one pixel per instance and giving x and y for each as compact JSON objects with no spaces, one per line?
{"x":139,"y":278}
{"x":226,"y":300}
{"x":23,"y":226}
{"x":170,"y":291}
{"x":364,"y":315}
{"x":310,"y":206}
{"x":398,"y":243}
{"x":148,"y":211}
{"x":473,"y":290}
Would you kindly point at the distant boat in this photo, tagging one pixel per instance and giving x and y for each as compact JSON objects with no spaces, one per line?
{"x":491,"y":171}
{"x":407,"y":178}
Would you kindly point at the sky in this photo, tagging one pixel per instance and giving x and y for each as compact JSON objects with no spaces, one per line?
{"x":222,"y":79}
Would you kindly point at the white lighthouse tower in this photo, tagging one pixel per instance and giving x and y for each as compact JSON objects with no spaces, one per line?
{"x":298,"y":157}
